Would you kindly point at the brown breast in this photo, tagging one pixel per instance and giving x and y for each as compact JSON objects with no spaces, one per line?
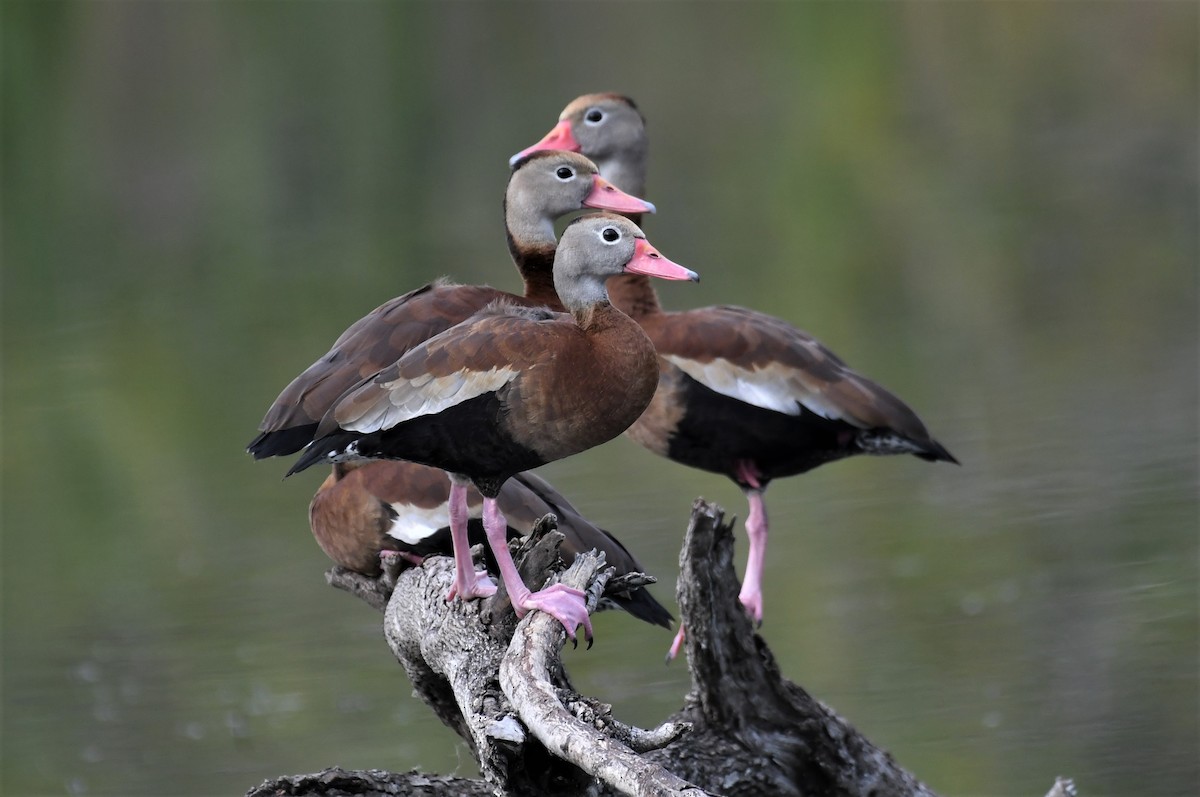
{"x":597,"y":384}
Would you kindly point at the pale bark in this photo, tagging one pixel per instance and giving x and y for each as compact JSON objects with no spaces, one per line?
{"x":500,"y":684}
{"x":577,"y":729}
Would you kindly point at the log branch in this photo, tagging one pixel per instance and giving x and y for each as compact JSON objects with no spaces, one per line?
{"x":1063,"y":787}
{"x":452,"y":653}
{"x":743,"y":729}
{"x":374,"y":591}
{"x":338,"y":782}
{"x":583,"y":737}
{"x":756,"y":732}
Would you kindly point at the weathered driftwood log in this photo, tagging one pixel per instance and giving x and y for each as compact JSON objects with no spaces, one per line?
{"x":500,"y":684}
{"x":755,"y":733}
{"x":574,"y":728}
{"x":455,"y":653}
{"x":337,"y":782}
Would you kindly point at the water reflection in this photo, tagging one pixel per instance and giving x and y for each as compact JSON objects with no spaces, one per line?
{"x":990,"y":208}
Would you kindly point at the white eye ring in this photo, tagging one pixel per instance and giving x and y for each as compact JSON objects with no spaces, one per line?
{"x":593,"y":112}
{"x":564,"y":173}
{"x":610,"y":235}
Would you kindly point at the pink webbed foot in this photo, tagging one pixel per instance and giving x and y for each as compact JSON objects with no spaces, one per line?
{"x":478,"y":586}
{"x":563,"y":603}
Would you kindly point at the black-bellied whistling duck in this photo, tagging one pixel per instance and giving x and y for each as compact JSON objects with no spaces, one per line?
{"x":607,"y":128}
{"x":365,"y":508}
{"x":511,"y":389}
{"x":542,"y":188}
{"x":353,"y":509}
{"x":740,"y":393}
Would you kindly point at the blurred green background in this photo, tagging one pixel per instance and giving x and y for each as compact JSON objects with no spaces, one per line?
{"x":991,"y":208}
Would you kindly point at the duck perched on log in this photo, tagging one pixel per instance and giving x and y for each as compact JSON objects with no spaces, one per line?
{"x":366,"y":508}
{"x":508,"y":390}
{"x":356,"y":510}
{"x":541,"y":188}
{"x":741,"y":393}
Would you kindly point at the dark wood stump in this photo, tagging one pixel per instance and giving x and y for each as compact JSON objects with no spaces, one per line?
{"x":500,"y":684}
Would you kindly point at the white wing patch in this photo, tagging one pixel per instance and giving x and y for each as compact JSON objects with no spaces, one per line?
{"x":412,"y":524}
{"x":758,"y":386}
{"x":775,"y":387}
{"x":404,"y":399}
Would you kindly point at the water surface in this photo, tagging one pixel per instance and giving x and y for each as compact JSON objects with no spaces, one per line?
{"x":991,"y":208}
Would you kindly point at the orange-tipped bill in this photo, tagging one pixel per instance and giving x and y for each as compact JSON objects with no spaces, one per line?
{"x":560,"y":137}
{"x":606,"y":196}
{"x":646,"y":260}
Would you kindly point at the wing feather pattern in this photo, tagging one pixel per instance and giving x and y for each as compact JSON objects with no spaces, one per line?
{"x":766,"y":362}
{"x":369,"y":345}
{"x":486,"y":354}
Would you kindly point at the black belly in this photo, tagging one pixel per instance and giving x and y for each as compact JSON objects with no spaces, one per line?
{"x":468,"y":439}
{"x":716,"y":432}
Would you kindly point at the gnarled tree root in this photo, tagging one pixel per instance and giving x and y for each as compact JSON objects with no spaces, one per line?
{"x":500,"y":684}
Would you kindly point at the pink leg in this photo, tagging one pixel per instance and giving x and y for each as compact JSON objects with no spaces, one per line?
{"x":677,"y":643}
{"x":467,"y":582}
{"x":756,"y":530}
{"x":564,"y":603}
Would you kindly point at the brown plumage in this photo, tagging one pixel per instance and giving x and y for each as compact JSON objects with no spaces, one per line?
{"x":510,"y":389}
{"x":740,"y":393}
{"x":542,"y":188}
{"x":365,"y":508}
{"x":537,"y":380}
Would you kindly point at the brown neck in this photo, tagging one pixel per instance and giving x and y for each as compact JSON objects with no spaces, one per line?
{"x":531,"y":243}
{"x":535,"y":262}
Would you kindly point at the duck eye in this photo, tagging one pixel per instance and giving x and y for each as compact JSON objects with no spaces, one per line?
{"x":594,"y":116}
{"x":564,"y":173}
{"x":610,"y":234}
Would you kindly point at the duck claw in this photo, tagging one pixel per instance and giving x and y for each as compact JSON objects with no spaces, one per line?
{"x":479,"y":587}
{"x":565,"y":604}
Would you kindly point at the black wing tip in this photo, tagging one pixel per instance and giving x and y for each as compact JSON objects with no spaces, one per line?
{"x":326,"y":449}
{"x":258,"y":445}
{"x":642,"y":605}
{"x":281,"y":442}
{"x":936,"y":452}
{"x":319,"y":451}
{"x":304,"y":463}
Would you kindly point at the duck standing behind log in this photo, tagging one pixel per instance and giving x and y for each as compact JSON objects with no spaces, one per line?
{"x":741,"y":393}
{"x":509,"y":390}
